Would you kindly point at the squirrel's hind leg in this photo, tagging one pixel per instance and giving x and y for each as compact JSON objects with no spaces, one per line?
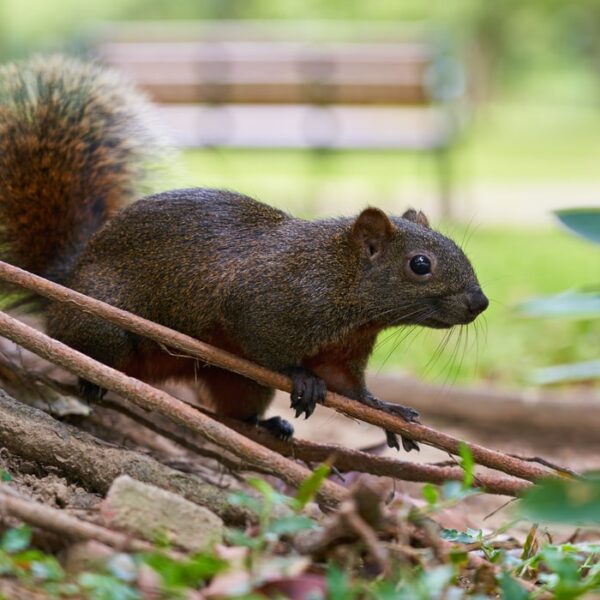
{"x":240,"y":398}
{"x":92,"y":336}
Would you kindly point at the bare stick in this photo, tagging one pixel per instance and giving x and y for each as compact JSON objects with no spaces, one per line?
{"x":52,"y":519}
{"x":152,"y":399}
{"x":210,"y":354}
{"x":343,"y":459}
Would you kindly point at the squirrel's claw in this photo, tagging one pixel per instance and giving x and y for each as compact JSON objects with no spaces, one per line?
{"x":392,"y":440}
{"x":307,"y":391}
{"x":407,"y":444}
{"x":90,"y":392}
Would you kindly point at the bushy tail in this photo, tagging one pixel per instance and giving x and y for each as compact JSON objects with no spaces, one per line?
{"x":74,"y":148}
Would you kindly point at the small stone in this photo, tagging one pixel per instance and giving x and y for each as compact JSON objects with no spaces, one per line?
{"x":85,"y":556}
{"x":156,"y":514}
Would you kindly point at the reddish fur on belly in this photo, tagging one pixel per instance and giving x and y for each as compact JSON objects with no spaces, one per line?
{"x":227,"y":393}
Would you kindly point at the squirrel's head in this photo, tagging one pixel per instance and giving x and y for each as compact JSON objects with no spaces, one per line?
{"x":420,"y":276}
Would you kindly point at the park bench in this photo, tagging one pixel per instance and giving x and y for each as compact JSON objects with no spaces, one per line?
{"x":297,"y":85}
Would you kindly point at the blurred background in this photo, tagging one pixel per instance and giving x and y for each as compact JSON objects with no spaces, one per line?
{"x":486,"y":115}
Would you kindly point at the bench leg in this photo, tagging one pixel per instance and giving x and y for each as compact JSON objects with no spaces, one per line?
{"x":443,"y":165}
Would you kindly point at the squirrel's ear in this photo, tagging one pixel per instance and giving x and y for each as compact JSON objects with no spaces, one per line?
{"x":416,"y":217}
{"x":372,"y":230}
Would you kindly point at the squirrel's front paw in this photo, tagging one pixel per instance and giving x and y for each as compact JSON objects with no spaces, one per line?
{"x":307,"y":391}
{"x":278,"y":427}
{"x":407,"y":413}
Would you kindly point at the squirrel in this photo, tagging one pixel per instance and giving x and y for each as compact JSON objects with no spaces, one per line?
{"x":305,"y":298}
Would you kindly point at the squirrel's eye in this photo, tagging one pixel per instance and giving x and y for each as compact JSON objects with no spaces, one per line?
{"x":420,"y":264}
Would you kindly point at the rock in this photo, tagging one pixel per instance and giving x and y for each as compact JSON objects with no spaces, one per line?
{"x":155,"y":514}
{"x":86,"y":556}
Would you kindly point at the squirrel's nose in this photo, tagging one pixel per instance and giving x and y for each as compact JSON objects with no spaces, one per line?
{"x":477,"y":301}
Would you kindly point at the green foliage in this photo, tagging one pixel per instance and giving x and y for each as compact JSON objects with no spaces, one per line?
{"x":180,"y":574}
{"x":16,"y":540}
{"x":311,"y":485}
{"x":575,"y":502}
{"x":583,"y":305}
{"x":470,"y":536}
{"x":430,"y":494}
{"x":338,"y":584}
{"x":511,"y":588}
{"x":467,"y":463}
{"x":105,"y":587}
{"x":279,"y":515}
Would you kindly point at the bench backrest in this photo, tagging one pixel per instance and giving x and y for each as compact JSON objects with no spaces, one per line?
{"x":230,"y":63}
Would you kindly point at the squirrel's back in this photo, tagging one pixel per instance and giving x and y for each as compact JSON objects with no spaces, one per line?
{"x":73,"y":150}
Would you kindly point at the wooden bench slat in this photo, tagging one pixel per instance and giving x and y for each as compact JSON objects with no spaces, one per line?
{"x":281,"y":93}
{"x":304,"y":126}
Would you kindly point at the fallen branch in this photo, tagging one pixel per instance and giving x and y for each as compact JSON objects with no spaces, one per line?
{"x":207,"y":353}
{"x":53,"y":519}
{"x":78,"y":456}
{"x":343,"y":459}
{"x":152,"y":399}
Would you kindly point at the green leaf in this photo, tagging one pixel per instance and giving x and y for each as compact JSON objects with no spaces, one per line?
{"x":580,"y":305}
{"x":104,"y":587}
{"x":16,"y":539}
{"x":575,"y":502}
{"x":561,"y":563}
{"x":468,"y":464}
{"x":582,"y":371}
{"x":511,"y":588}
{"x":463,"y":537}
{"x":291,"y":524}
{"x":47,"y":569}
{"x":338,"y":587}
{"x":311,"y":485}
{"x":454,"y":490}
{"x":263,"y":488}
{"x":184,"y":573}
{"x":236,"y":537}
{"x":239,"y":498}
{"x":585,"y":222}
{"x":430,"y":494}
{"x":5,"y":476}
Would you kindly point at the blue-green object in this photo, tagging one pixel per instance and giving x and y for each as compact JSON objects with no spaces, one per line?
{"x":582,"y":371}
{"x":580,"y":305}
{"x":585,"y":222}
